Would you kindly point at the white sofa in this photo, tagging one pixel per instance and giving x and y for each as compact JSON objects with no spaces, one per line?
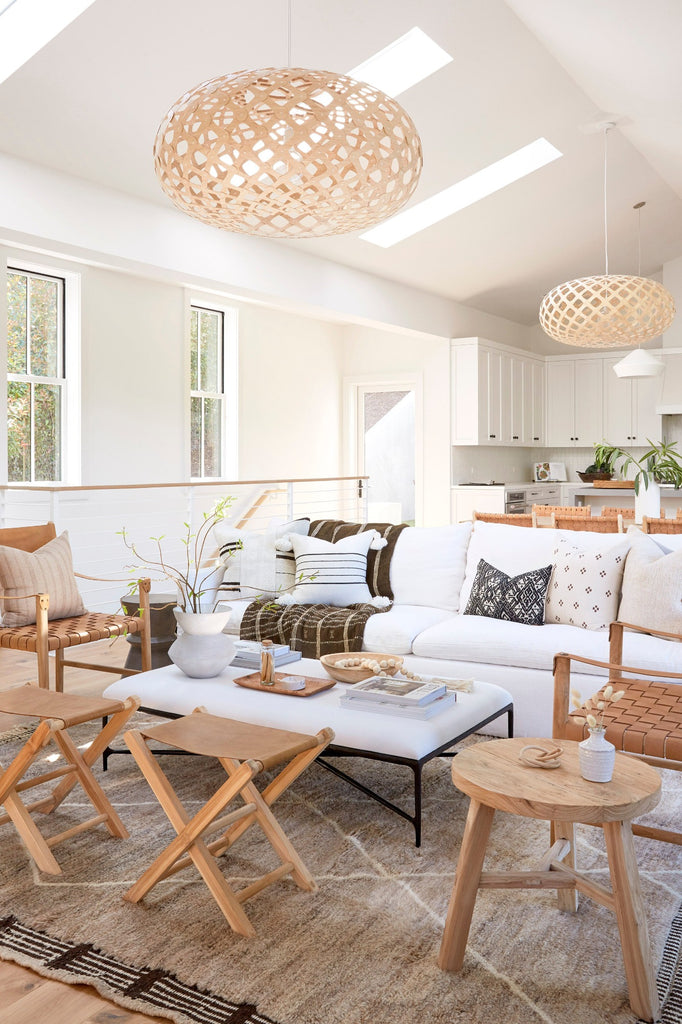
{"x":432,"y":572}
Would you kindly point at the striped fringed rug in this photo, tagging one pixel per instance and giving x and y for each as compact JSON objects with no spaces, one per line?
{"x":136,"y":988}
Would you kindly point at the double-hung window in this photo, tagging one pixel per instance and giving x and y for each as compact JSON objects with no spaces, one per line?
{"x":207,"y":394}
{"x":35,"y":376}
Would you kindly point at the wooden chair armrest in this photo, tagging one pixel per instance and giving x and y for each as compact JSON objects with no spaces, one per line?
{"x":14,"y":597}
{"x":643,"y":629}
{"x":654,"y":673}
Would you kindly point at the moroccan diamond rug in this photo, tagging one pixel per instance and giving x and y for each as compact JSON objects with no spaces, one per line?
{"x":363,"y":949}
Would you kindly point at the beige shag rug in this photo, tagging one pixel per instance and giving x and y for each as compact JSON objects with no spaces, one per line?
{"x":363,"y":949}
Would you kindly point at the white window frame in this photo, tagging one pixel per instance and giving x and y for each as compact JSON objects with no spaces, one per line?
{"x":70,"y":433}
{"x":229,"y":397}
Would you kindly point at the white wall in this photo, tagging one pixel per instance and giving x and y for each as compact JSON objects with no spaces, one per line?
{"x":672,"y":279}
{"x":289,"y":395}
{"x":134,"y":398}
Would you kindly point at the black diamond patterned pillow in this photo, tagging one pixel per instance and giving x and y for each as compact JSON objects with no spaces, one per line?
{"x":514,"y":598}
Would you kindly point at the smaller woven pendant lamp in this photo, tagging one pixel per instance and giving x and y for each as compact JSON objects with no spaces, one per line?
{"x":607,"y":310}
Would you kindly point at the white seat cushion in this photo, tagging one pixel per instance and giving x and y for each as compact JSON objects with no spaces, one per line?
{"x":428,"y":565}
{"x":496,"y":642}
{"x":392,"y":632}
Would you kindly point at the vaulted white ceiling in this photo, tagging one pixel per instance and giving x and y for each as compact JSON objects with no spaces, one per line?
{"x":89,"y":104}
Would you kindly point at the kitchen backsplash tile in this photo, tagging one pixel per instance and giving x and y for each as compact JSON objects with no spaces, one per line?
{"x":515,"y":465}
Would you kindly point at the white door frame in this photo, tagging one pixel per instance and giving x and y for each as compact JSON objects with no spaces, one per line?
{"x":353,"y":450}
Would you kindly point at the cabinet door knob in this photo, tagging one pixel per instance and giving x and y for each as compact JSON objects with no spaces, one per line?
{"x":491,"y":435}
{"x":515,"y":437}
{"x":536,"y":438}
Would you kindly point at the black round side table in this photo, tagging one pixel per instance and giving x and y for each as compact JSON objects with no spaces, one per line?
{"x":162,"y":627}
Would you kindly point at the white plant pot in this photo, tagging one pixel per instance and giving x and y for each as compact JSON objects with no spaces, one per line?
{"x":648,"y":501}
{"x":202,"y":623}
{"x":596,"y":756}
{"x":202,"y":656}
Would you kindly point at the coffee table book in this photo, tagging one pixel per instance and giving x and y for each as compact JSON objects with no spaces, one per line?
{"x":396,"y":691}
{"x":421,"y":712}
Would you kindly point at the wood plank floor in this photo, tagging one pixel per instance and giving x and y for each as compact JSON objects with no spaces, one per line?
{"x":26,"y":997}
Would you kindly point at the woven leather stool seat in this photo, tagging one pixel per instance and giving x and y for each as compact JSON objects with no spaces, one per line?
{"x":61,"y":633}
{"x":647,"y":720}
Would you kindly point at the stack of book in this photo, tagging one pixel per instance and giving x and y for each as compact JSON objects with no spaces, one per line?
{"x":385,"y":695}
{"x":249,"y":651}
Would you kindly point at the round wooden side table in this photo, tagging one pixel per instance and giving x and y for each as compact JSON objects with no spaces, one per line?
{"x":493,"y":777}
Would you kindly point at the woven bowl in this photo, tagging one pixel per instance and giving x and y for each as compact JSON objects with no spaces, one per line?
{"x":356,"y":675}
{"x":587,"y":478}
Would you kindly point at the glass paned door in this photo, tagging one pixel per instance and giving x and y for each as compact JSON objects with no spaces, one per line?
{"x":386,"y":451}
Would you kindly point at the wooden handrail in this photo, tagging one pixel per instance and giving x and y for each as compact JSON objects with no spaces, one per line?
{"x":185,"y":483}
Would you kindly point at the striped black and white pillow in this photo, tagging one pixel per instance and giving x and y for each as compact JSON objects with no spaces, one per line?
{"x":253,"y":565}
{"x":334,"y":574}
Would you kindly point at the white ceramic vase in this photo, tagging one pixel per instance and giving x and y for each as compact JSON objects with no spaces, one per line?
{"x":648,"y":501}
{"x":596,"y":756}
{"x":202,"y":650}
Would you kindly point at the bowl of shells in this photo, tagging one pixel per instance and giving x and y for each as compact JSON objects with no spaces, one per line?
{"x":353,"y":668}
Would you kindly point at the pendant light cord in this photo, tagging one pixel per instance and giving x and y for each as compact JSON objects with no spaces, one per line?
{"x":607,"y":128}
{"x":289,"y":33}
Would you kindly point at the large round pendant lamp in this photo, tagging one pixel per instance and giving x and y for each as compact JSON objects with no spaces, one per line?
{"x":608,"y":310}
{"x":288,"y":153}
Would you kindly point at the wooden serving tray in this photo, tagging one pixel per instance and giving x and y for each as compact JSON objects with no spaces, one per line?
{"x":252,"y":682}
{"x":613,"y":483}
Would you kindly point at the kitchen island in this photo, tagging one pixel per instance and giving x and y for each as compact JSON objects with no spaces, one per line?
{"x":624,"y":497}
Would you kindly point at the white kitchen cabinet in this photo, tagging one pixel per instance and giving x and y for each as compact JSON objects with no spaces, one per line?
{"x":494,"y":395}
{"x":574,"y":402}
{"x":630,"y":417}
{"x":466,"y":500}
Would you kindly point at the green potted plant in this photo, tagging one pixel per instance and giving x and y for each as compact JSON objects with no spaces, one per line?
{"x":600,"y":469}
{"x":660,"y":464}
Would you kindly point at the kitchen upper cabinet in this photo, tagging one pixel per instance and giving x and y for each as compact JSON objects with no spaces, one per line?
{"x":574,"y":402}
{"x":630,"y":417}
{"x":494,"y":395}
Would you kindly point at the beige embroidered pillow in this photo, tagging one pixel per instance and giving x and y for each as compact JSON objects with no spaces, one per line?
{"x":585,"y":586}
{"x":49,"y":570}
{"x":652,"y":587}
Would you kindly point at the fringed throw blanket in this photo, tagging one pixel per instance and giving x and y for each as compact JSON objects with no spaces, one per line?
{"x":312,"y":629}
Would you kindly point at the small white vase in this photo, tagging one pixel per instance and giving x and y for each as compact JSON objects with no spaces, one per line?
{"x":202,"y":650}
{"x":648,"y":501}
{"x":596,"y":756}
{"x":202,"y":623}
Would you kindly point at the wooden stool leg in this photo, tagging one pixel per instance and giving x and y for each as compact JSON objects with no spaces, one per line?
{"x":34,"y":842}
{"x":465,"y":889}
{"x":59,"y":670}
{"x":99,"y":744}
{"x":273,"y":830}
{"x":90,"y":784}
{"x":196,"y":848}
{"x":634,"y":935}
{"x":42,"y":643}
{"x":567,"y":899}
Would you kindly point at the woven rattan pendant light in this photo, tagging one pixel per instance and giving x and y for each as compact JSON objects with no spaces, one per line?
{"x":608,"y":310}
{"x":288,"y":153}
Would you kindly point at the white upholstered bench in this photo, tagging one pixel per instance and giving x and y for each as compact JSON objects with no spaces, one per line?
{"x":169,"y":692}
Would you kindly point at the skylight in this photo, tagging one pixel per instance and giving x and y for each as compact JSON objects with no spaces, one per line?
{"x":28,"y":25}
{"x":462,"y":194}
{"x":402,"y":63}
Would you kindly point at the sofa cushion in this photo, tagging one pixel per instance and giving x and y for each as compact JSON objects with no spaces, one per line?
{"x":652,"y":587}
{"x":514,"y":549}
{"x":495,"y":642}
{"x":586,"y":584}
{"x":394,"y":631}
{"x":428,"y":565}
{"x":332,"y":574}
{"x":253,"y":565}
{"x":514,"y":598}
{"x":49,"y":570}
